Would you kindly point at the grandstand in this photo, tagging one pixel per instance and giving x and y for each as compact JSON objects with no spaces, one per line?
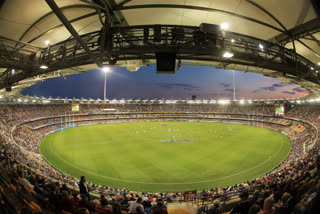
{"x":275,"y":44}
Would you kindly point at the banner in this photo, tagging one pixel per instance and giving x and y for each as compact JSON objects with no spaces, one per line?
{"x":190,"y":195}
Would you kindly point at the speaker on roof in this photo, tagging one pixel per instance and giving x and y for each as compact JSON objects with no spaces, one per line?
{"x":210,"y":28}
{"x":166,"y":63}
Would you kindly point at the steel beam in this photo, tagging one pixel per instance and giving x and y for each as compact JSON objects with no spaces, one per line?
{"x":316,"y":7}
{"x":93,"y":4}
{"x":123,"y":3}
{"x":297,"y":32}
{"x":72,"y":31}
{"x":267,"y":12}
{"x":191,"y":46}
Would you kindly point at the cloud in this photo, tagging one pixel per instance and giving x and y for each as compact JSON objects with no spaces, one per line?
{"x":185,"y":86}
{"x":228,"y":89}
{"x":225,"y":85}
{"x":270,"y":88}
{"x":289,"y":92}
{"x":278,"y":85}
{"x":299,"y":89}
{"x":273,"y":87}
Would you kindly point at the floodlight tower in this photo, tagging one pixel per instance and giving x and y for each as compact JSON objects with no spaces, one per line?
{"x":105,"y":70}
{"x":234,"y":86}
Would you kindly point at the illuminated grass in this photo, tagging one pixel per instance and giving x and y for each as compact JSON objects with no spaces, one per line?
{"x":166,"y":156}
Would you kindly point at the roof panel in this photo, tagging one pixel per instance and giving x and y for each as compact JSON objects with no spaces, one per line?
{"x":290,"y":12}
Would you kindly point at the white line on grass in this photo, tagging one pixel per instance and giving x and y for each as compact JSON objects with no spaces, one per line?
{"x":194,"y":182}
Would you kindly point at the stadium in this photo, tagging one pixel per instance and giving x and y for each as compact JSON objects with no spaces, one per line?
{"x":184,"y":156}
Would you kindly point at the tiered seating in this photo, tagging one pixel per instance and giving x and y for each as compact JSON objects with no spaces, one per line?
{"x":298,"y":174}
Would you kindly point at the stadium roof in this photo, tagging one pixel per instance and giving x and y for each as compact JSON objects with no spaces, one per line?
{"x":77,"y":31}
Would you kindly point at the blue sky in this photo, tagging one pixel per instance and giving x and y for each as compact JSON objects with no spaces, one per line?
{"x":204,"y":82}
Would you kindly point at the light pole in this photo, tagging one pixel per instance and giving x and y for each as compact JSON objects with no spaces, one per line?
{"x":234,"y":87}
{"x":105,"y":70}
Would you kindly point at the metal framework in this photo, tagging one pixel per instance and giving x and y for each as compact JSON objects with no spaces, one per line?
{"x":142,"y":43}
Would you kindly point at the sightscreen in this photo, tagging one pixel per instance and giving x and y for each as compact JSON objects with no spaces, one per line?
{"x":279,"y":109}
{"x":75,"y":107}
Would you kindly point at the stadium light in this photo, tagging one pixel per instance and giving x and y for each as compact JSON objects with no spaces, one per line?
{"x":105,"y":69}
{"x":224,"y":102}
{"x":43,"y":67}
{"x":224,"y":26}
{"x":228,"y":55}
{"x":249,"y":101}
{"x":241,"y":101}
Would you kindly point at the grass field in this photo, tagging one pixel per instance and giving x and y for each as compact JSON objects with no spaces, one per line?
{"x":166,"y":156}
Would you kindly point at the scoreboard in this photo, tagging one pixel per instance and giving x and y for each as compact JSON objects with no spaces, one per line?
{"x":279,"y":109}
{"x":75,"y":107}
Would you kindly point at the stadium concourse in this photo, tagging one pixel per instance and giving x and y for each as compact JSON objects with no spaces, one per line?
{"x":30,"y":185}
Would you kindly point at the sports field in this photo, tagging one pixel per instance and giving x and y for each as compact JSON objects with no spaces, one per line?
{"x":166,"y":156}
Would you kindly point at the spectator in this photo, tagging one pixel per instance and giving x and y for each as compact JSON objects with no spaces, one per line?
{"x":116,"y":208}
{"x":159,"y":209}
{"x":268,"y":206}
{"x":103,"y":208}
{"x":133,"y":206}
{"x":84,"y":203}
{"x":216,"y":208}
{"x":254,"y":209}
{"x":82,"y":211}
{"x":83,"y":186}
{"x":283,"y":208}
{"x":66,"y":203}
{"x":244,"y":205}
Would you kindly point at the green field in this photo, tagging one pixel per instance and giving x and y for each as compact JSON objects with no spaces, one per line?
{"x":166,"y":156}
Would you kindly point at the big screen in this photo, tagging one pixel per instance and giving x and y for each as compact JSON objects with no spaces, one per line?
{"x":75,"y":107}
{"x":279,"y":109}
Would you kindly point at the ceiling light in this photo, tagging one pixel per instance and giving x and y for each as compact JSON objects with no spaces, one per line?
{"x":312,"y":68}
{"x":47,"y":42}
{"x":232,"y":40}
{"x":261,"y":46}
{"x":43,"y":67}
{"x":318,"y":63}
{"x":317,"y":71}
{"x":228,"y":55}
{"x":224,"y":26}
{"x":12,"y":71}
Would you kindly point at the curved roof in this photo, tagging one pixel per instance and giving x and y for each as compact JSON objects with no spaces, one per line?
{"x":279,"y":22}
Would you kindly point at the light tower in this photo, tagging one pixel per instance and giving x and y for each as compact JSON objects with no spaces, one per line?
{"x":105,"y":70}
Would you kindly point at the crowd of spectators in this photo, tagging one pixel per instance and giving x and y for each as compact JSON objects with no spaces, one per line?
{"x":292,"y":187}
